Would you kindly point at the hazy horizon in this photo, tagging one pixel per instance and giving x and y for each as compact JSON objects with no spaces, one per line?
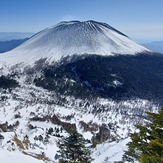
{"x":140,"y":20}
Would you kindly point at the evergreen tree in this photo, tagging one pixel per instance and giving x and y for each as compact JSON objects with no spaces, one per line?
{"x":147,"y":145}
{"x":73,"y":149}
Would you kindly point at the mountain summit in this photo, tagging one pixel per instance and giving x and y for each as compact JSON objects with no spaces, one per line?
{"x":73,"y":37}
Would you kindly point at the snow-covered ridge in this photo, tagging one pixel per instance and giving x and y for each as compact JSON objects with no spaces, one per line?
{"x":73,"y":37}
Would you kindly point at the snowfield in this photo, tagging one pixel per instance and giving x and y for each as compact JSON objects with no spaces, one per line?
{"x":17,"y":157}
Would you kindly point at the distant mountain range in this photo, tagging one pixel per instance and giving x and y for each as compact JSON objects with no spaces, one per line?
{"x":10,"y":40}
{"x":9,"y":45}
{"x":8,"y":36}
{"x":155,"y":46}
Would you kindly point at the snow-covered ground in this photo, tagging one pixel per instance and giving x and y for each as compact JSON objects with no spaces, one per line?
{"x":22,"y":104}
{"x":16,"y":157}
{"x":110,"y":152}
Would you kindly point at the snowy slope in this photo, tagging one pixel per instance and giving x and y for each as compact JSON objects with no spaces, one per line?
{"x":24,"y":102}
{"x":17,"y":157}
{"x":74,"y":37}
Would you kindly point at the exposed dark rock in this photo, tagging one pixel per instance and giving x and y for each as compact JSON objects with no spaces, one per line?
{"x":5,"y":127}
{"x":67,"y":126}
{"x":7,"y":82}
{"x":103,"y":134}
{"x":55,"y":120}
{"x":92,"y":127}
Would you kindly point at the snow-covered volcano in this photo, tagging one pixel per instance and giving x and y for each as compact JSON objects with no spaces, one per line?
{"x":73,"y":37}
{"x":101,"y":91}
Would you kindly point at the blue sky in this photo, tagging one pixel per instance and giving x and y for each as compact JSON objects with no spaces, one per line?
{"x":139,"y":19}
